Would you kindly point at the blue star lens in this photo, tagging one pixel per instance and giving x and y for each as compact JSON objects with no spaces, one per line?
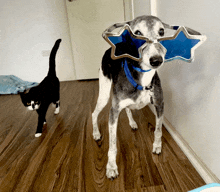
{"x":179,"y":47}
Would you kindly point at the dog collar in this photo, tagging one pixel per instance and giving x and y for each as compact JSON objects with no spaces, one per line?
{"x":130,"y":78}
{"x":140,"y":70}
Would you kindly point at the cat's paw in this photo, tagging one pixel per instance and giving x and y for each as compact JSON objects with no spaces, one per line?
{"x":38,"y":134}
{"x":57,"y":111}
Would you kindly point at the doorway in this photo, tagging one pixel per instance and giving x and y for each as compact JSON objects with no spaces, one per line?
{"x":87,"y":21}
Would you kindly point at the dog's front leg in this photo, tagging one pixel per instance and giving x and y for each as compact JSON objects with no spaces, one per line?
{"x":111,"y":168}
{"x":157,"y":145}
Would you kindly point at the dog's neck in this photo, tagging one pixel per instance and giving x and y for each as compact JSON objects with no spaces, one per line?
{"x":144,"y":66}
{"x":146,"y":77}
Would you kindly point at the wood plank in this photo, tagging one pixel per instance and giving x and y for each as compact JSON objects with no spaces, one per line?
{"x":159,"y":188}
{"x":66,"y":158}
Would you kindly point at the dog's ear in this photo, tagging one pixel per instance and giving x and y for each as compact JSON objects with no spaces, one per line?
{"x":192,"y":32}
{"x":117,"y":25}
{"x":189,"y":30}
{"x":167,"y":26}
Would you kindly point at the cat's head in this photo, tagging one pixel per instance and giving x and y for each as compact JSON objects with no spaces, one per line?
{"x":30,"y":99}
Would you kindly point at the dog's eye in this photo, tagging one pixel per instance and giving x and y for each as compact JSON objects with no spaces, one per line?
{"x":137,"y":32}
{"x":28,"y":103}
{"x":161,"y":32}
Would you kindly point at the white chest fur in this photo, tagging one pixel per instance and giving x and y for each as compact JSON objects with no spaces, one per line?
{"x":147,"y":77}
{"x":142,"y":100}
{"x":144,"y":96}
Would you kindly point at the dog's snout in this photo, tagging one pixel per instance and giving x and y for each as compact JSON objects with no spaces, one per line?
{"x":156,"y":61}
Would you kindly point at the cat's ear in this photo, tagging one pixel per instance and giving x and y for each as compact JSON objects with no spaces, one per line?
{"x":25,"y":92}
{"x":22,"y":93}
{"x":22,"y":96}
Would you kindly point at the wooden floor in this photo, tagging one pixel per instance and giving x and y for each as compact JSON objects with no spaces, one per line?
{"x":66,"y":158}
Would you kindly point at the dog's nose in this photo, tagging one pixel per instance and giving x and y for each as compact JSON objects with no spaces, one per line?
{"x":156,"y":61}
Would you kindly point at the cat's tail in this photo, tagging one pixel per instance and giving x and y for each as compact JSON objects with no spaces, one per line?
{"x":52,"y":63}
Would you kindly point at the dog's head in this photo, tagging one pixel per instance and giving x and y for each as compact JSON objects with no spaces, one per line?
{"x":152,"y":28}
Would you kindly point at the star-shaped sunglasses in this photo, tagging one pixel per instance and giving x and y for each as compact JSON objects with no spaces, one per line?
{"x":179,"y":46}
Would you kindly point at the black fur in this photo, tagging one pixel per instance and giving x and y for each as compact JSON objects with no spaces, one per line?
{"x":47,"y":92}
{"x":113,"y":70}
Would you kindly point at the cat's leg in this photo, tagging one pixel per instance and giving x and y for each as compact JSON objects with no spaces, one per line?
{"x":56,"y":102}
{"x":41,"y":119}
{"x":45,"y":122}
{"x":57,"y":110}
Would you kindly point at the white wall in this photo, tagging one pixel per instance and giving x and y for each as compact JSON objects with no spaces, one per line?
{"x":87,"y":21}
{"x":141,"y":7}
{"x":27,"y":28}
{"x":192,"y":90}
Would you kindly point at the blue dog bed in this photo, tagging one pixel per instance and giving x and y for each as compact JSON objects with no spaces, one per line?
{"x":10,"y":84}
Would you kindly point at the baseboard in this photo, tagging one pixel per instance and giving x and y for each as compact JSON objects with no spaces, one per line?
{"x":207,"y":175}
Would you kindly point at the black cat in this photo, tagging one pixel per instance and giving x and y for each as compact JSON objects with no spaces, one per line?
{"x":48,"y":91}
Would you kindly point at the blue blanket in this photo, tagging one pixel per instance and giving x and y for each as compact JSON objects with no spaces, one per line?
{"x":10,"y":84}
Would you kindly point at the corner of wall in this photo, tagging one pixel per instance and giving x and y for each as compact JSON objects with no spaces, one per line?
{"x":207,"y":175}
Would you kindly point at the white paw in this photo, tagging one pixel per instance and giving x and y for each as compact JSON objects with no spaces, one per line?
{"x":56,"y":111}
{"x":133,"y":125}
{"x":96,"y":136}
{"x":38,"y":134}
{"x":45,"y":122}
{"x":157,"y":148}
{"x":112,"y":171}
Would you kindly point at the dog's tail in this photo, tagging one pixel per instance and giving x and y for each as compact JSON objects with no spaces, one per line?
{"x":52,"y":64}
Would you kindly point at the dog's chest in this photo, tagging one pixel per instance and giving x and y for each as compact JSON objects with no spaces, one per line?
{"x":142,"y":100}
{"x":144,"y":96}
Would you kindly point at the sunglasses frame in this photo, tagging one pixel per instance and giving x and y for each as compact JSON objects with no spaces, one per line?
{"x":196,"y":35}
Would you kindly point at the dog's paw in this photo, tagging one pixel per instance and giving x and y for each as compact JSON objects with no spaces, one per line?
{"x":134,"y":125}
{"x":45,"y":122}
{"x":112,"y":171}
{"x":38,"y":134}
{"x":157,"y":148}
{"x":96,"y":136}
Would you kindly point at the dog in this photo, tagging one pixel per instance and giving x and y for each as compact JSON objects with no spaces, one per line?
{"x":112,"y":78}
